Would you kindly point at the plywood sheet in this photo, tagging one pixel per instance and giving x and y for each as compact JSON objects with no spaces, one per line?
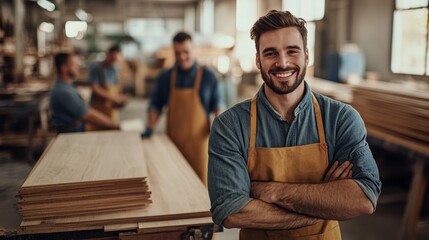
{"x":90,"y":157}
{"x":177,"y":193}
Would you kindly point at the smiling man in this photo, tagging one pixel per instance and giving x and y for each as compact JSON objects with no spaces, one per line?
{"x":289,"y":163}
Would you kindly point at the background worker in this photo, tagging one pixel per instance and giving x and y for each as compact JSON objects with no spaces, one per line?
{"x":191,"y":92}
{"x":268,"y":156}
{"x":70,"y":112}
{"x":106,"y":90}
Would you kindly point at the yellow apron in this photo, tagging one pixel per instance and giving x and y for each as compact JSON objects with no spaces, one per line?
{"x":106,"y":106}
{"x":297,"y":164}
{"x":188,"y":125}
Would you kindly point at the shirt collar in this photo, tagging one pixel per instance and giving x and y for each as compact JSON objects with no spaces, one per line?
{"x":61,"y":82}
{"x":303,"y":104}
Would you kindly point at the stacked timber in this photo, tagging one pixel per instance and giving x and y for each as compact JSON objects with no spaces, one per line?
{"x":395,"y":112}
{"x":85,"y":174}
{"x":178,"y":197}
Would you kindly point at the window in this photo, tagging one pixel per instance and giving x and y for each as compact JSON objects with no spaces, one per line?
{"x":310,"y":11}
{"x":410,"y":37}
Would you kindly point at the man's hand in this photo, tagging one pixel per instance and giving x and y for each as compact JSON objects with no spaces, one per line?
{"x":263,"y":190}
{"x":147,"y":133}
{"x":119,"y":100}
{"x":344,"y":171}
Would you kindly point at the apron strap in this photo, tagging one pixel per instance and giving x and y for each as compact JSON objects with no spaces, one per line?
{"x":173,"y":79}
{"x":198,"y":78}
{"x":253,"y":116}
{"x":319,"y":120}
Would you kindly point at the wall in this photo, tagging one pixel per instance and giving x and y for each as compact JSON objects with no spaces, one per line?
{"x":371,"y":29}
{"x":225,"y":17}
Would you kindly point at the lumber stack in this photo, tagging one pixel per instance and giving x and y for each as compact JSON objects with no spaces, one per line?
{"x":395,"y":112}
{"x":85,"y":174}
{"x":178,"y":196}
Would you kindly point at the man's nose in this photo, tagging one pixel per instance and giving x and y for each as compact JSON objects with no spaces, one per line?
{"x":283,"y":61}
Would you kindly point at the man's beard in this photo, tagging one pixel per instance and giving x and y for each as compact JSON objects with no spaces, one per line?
{"x":284,"y":88}
{"x":71,"y":74}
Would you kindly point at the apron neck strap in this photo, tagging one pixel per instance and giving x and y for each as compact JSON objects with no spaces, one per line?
{"x":198,"y":78}
{"x":253,"y":117}
{"x":319,"y":120}
{"x":197,"y":81}
{"x":173,"y":79}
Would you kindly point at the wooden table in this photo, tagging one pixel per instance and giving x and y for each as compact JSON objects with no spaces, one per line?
{"x":180,"y":204}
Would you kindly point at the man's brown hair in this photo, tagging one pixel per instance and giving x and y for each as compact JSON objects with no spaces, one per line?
{"x":274,"y":20}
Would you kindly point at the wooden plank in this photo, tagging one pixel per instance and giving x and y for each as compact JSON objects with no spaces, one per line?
{"x":85,"y":195}
{"x":172,"y":225}
{"x":77,"y":187}
{"x":166,"y":168}
{"x":175,"y":235}
{"x":394,"y":112}
{"x":86,"y":203}
{"x":120,"y":227}
{"x":398,"y":89}
{"x":90,"y":157}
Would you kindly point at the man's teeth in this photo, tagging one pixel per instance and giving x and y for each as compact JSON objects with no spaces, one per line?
{"x":283,"y":75}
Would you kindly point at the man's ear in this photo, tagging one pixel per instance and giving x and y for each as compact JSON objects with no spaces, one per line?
{"x":306,"y":57}
{"x":258,"y":61}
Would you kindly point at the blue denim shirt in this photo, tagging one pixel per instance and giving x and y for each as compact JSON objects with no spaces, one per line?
{"x":228,"y":178}
{"x":110,"y":72}
{"x":209,"y":89}
{"x":67,"y":107}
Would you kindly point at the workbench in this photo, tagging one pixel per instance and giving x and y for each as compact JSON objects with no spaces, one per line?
{"x":28,"y":104}
{"x":179,"y":209}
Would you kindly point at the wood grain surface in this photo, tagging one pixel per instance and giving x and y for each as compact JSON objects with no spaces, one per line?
{"x":177,"y":193}
{"x":90,"y":157}
{"x":396,"y":112}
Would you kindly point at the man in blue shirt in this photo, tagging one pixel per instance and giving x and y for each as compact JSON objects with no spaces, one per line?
{"x":70,"y":112}
{"x":289,"y":163}
{"x":191,"y":92}
{"x":106,"y":90}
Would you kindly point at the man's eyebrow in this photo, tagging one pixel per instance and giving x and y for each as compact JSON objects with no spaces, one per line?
{"x":294,"y":47}
{"x":288,"y":47}
{"x":268,"y":49}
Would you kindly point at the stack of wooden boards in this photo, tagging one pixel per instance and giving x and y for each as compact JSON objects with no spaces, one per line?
{"x":86,"y":174}
{"x":177,"y":192}
{"x":395,"y":112}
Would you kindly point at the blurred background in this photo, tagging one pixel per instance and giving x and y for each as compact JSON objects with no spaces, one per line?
{"x":373,"y":55}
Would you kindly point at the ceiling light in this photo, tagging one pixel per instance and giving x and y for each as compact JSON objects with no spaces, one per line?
{"x":46,"y":27}
{"x":45,"y":4}
{"x":83,"y":15}
{"x":76,"y":29}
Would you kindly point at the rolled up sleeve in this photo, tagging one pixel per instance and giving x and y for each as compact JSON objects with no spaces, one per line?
{"x":352,"y":146}
{"x":159,"y":97}
{"x":228,"y":178}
